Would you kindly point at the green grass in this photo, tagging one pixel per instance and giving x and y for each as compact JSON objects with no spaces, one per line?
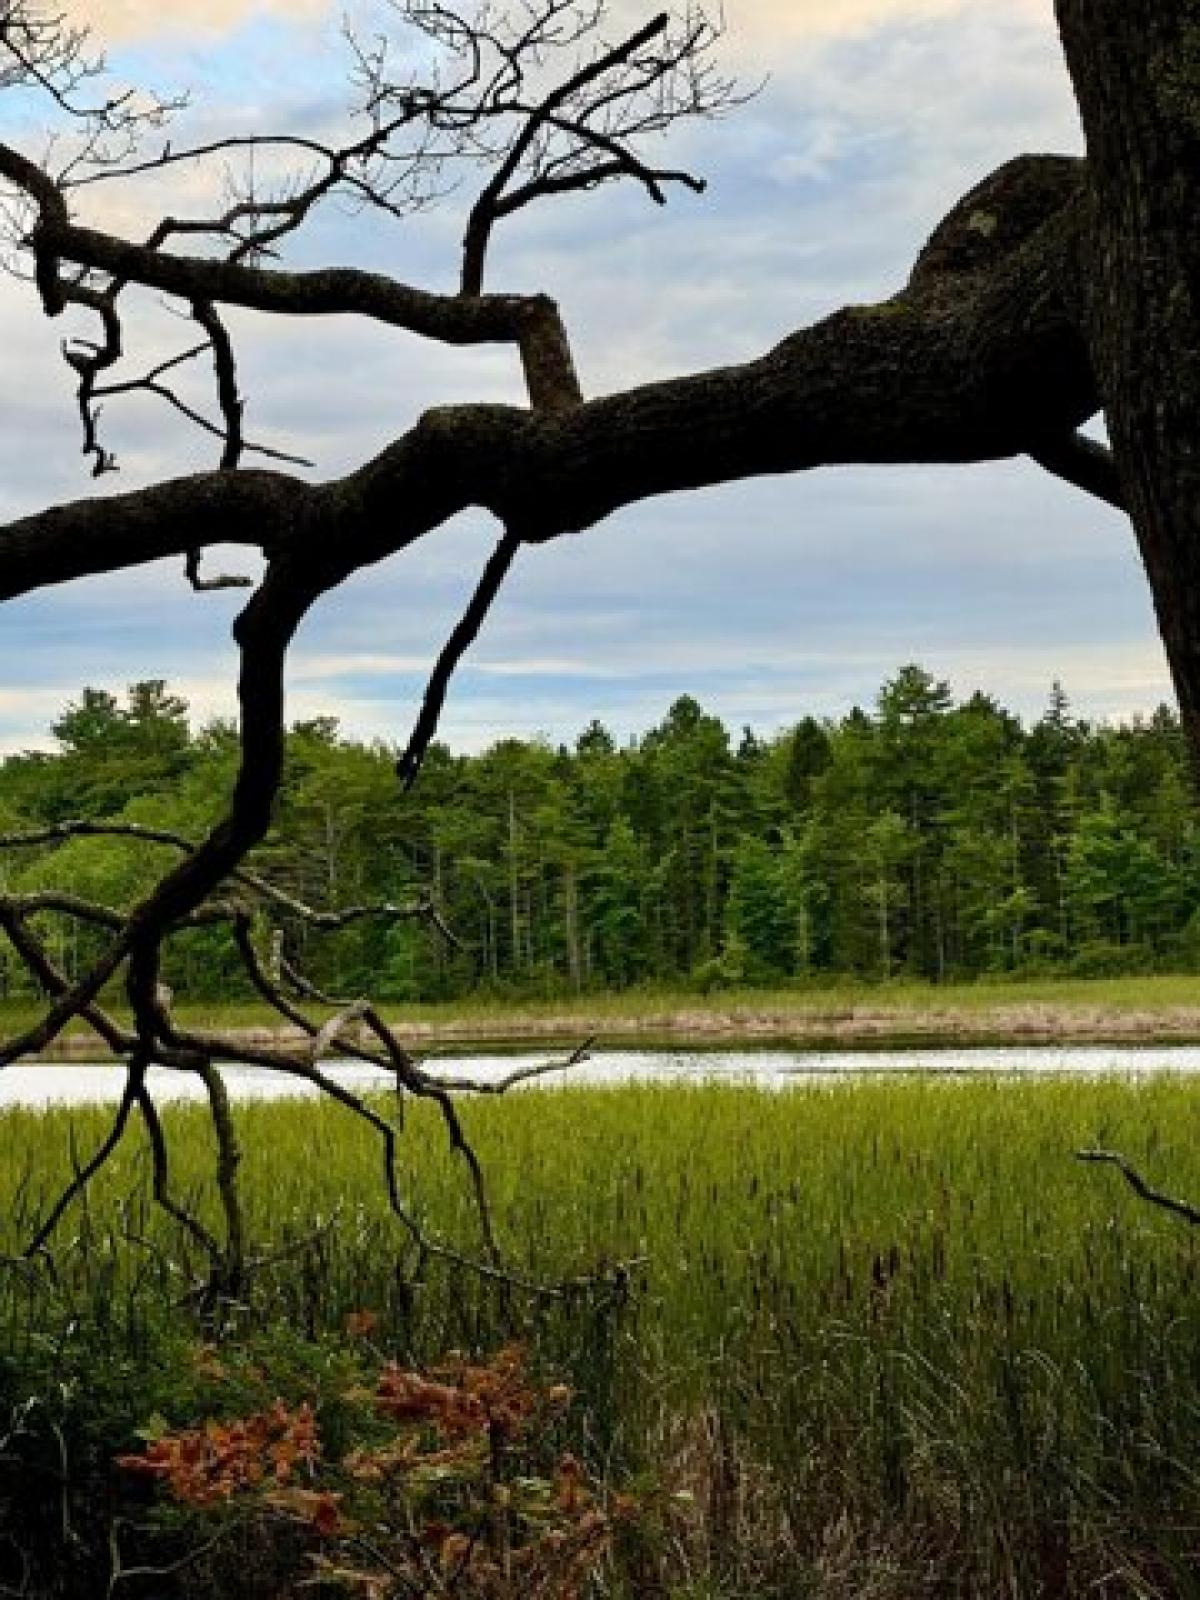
{"x":836,"y":999}
{"x":894,"y":1328}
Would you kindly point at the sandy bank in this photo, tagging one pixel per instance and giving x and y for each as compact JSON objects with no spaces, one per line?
{"x":857,"y":1027}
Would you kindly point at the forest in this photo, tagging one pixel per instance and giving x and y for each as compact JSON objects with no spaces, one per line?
{"x":925,"y":837}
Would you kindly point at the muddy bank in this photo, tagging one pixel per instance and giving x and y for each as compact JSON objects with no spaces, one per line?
{"x":855,"y":1027}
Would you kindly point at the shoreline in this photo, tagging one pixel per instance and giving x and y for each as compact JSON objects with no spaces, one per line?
{"x":854,"y":1027}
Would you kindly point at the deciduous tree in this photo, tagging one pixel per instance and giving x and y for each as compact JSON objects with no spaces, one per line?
{"x":1056,"y":289}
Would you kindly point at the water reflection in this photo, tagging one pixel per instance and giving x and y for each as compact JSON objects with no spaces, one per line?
{"x":78,"y":1083}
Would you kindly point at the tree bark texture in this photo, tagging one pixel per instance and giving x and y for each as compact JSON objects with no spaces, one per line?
{"x":1136,"y":70}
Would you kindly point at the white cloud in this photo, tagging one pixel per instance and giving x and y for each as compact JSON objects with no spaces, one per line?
{"x":324,"y":668}
{"x":760,"y":28}
{"x":119,"y":21}
{"x":766,"y":599}
{"x":776,"y":23}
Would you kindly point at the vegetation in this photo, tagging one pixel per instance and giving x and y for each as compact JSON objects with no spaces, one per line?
{"x":925,"y":840}
{"x":923,"y":1357}
{"x":890,"y":1340}
{"x":445,"y":1497}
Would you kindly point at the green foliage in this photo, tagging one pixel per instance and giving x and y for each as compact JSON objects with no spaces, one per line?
{"x":888,"y":1339}
{"x":925,"y":839}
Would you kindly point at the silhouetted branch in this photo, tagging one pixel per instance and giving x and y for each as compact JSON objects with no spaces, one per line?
{"x":161,"y":1169}
{"x":1155,"y":1197}
{"x":324,"y":920}
{"x":151,"y":383}
{"x":465,"y":633}
{"x":37,"y":960}
{"x":1084,"y":463}
{"x":983,"y":351}
{"x":135,"y":1078}
{"x":44,"y":51}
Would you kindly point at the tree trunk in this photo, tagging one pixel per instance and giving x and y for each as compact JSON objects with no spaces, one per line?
{"x":514,"y":909}
{"x":1136,"y":70}
{"x":571,"y":924}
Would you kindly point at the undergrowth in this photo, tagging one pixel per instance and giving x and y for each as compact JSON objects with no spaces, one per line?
{"x":884,"y":1341}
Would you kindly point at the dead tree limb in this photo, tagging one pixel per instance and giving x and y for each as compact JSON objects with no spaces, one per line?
{"x":1139,"y":1185}
{"x":1056,"y":289}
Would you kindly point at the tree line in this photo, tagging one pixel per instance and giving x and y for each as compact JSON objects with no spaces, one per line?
{"x":921,"y":838}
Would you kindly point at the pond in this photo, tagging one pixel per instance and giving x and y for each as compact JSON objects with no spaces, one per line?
{"x":44,"y":1084}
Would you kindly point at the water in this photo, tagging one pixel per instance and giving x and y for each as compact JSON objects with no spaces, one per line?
{"x":79,"y":1083}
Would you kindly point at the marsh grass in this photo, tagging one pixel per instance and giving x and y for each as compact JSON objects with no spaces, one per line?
{"x":890,"y":1339}
{"x":615,"y":1012}
{"x":839,"y":998}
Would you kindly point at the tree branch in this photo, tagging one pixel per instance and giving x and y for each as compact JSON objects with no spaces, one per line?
{"x":134,"y":1081}
{"x":465,"y":633}
{"x":83,"y":828}
{"x":1178,"y":1208}
{"x":484,"y":213}
{"x":980,"y":356}
{"x":1083,"y":462}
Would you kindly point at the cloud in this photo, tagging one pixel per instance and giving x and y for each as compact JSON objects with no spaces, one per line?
{"x":754,"y":24}
{"x":810,"y":19}
{"x":765,"y":599}
{"x":118,"y":21}
{"x":783,"y":22}
{"x":758,"y":20}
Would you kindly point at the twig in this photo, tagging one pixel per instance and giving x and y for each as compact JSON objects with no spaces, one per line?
{"x":543,"y":1069}
{"x":229,"y":1156}
{"x":328,"y":1032}
{"x":1178,"y":1208}
{"x":161,"y":1170}
{"x":327,"y":921}
{"x":118,"y":1573}
{"x":134,"y":1082}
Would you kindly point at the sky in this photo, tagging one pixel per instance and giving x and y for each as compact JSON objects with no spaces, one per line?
{"x":768,"y":600}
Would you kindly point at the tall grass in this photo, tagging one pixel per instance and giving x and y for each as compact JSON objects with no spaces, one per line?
{"x":891,"y":1332}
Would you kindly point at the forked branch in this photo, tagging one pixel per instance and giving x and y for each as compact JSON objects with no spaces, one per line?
{"x":983,"y":355}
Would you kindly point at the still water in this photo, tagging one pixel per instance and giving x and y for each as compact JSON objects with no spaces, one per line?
{"x":78,"y":1083}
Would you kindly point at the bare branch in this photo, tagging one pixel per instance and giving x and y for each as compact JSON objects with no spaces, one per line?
{"x":957,"y":367}
{"x":150,"y":383}
{"x":161,"y":1170}
{"x":328,"y":1033}
{"x":39,"y":49}
{"x":1083,"y":462}
{"x":460,"y":641}
{"x":37,"y":960}
{"x":1178,"y":1208}
{"x":135,"y":1077}
{"x":483,"y":211}
{"x":574,"y":135}
{"x":270,"y":990}
{"x":89,"y":360}
{"x":421,"y":909}
{"x":225,"y":365}
{"x":222,"y":580}
{"x":513,"y":1080}
{"x":229,"y":1156}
